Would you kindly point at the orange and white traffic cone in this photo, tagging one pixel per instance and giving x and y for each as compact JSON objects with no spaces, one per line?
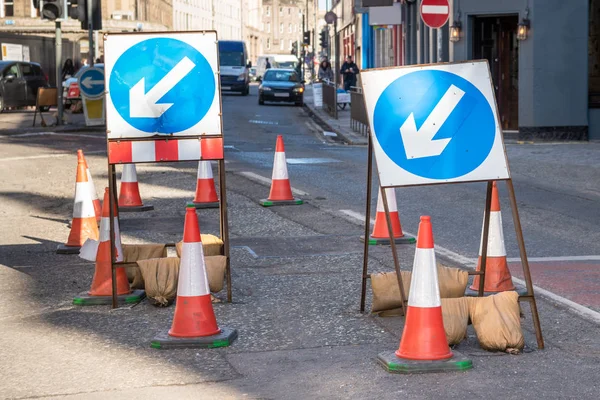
{"x":423,"y":347}
{"x":101,"y":290}
{"x":380,"y":233}
{"x":129,"y":196}
{"x":281,"y":189}
{"x":84,"y":224}
{"x":194,"y":322}
{"x":497,"y":274}
{"x":95,"y":199}
{"x":206,"y":193}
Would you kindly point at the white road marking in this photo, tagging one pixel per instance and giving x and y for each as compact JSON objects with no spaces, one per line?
{"x":256,"y":121}
{"x":48,"y":156}
{"x":578,"y":309}
{"x":267,"y":182}
{"x":103,"y":137}
{"x":311,"y":160}
{"x":565,"y":258}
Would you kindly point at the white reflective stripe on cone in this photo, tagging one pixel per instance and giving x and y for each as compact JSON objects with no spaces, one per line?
{"x":92,"y":186}
{"x":424,"y":286}
{"x":105,"y":235}
{"x":192,"y":277}
{"x":280,"y":166}
{"x":496,"y":246}
{"x":129,"y":173}
{"x":83,"y":207}
{"x":204,"y":170}
{"x":391,"y":197}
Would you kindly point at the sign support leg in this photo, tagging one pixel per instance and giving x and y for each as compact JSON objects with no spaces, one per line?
{"x":58,"y":74}
{"x":525,"y":264}
{"x":365,"y":275}
{"x":111,"y":210}
{"x":485,"y":238}
{"x":394,"y":251}
{"x":225,"y":227}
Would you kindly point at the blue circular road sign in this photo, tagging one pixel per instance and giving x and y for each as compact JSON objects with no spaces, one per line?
{"x":434,"y":124}
{"x":162,"y":85}
{"x":91,"y":82}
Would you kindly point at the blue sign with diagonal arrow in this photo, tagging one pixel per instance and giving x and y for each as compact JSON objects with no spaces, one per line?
{"x":91,"y":83}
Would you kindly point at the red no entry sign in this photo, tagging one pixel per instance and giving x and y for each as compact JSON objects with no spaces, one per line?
{"x":435,"y":12}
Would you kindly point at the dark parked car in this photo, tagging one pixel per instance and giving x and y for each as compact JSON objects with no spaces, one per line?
{"x":281,"y":85}
{"x":19,"y":82}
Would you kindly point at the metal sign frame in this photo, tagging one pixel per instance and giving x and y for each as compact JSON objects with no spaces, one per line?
{"x":211,"y":144}
{"x":529,"y":296}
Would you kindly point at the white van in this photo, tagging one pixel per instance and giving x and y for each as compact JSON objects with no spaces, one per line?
{"x":233,"y":59}
{"x":276,"y":61}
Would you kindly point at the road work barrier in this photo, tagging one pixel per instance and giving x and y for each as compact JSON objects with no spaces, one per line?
{"x":194,"y":322}
{"x":129,"y":196}
{"x":423,"y":346}
{"x":206,"y":193}
{"x":141,"y":129}
{"x":101,"y":289}
{"x":281,"y":188}
{"x":380,"y":233}
{"x":450,"y":132}
{"x":84,"y":224}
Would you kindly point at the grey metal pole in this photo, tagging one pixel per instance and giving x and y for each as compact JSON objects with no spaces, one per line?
{"x":440,"y":45}
{"x":90,"y":32}
{"x":414,"y":33}
{"x":337,"y":52}
{"x":58,"y":74}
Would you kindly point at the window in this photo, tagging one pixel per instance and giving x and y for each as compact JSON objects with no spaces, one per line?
{"x":290,"y":28}
{"x":296,"y":28}
{"x":281,"y":28}
{"x":34,"y":11}
{"x":289,"y":11}
{"x":13,"y":70}
{"x":280,"y":10}
{"x":27,"y":70}
{"x":281,"y":44}
{"x":281,"y":76}
{"x":268,"y":11}
{"x":291,"y":43}
{"x":9,"y":8}
{"x":268,"y":43}
{"x":268,"y":27}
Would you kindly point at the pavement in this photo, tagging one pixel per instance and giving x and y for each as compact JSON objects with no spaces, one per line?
{"x":296,"y":273}
{"x":21,"y":121}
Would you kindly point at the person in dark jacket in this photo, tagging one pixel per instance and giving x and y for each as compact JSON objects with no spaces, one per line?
{"x":349,"y":71}
{"x":68,"y":69}
{"x":267,"y":63}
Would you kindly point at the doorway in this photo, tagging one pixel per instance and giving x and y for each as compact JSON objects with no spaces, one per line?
{"x":495,"y":39}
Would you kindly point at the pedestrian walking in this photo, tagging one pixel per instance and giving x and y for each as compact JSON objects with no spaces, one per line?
{"x":325,"y":71}
{"x":68,"y":69}
{"x":267,"y":63}
{"x":349,"y":71}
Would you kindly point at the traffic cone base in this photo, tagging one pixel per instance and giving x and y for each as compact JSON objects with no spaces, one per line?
{"x":394,"y":364}
{"x":221,"y":339}
{"x":85,"y":299}
{"x":214,"y":204}
{"x":145,"y":207}
{"x":64,"y":249}
{"x":383,"y":242}
{"x":270,"y":203}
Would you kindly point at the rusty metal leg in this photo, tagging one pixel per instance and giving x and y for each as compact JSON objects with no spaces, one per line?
{"x":393,"y":244}
{"x":365,"y":270}
{"x":225,"y":227}
{"x":525,"y":264}
{"x":486,"y":235}
{"x":112,"y":176}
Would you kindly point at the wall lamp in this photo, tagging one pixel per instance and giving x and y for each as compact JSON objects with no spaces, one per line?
{"x":523,"y":27}
{"x":455,"y":31}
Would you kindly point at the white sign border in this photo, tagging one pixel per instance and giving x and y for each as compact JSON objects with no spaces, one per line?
{"x":375,"y":81}
{"x":115,"y":44}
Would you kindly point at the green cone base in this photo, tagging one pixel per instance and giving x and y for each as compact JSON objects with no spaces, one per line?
{"x":64,"y":249}
{"x":393,"y":364}
{"x":222,"y":339}
{"x":385,"y":241}
{"x":270,"y":203}
{"x":214,"y":204}
{"x":84,"y":299}
{"x":136,"y":209}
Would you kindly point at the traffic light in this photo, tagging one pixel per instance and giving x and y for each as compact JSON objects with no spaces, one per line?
{"x":52,"y":9}
{"x":295,"y":49}
{"x":78,"y":11}
{"x":323,"y":39}
{"x":306,"y":38}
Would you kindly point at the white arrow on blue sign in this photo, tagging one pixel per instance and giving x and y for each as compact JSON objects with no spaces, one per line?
{"x":162,"y":85}
{"x":434,"y":124}
{"x":91,"y":83}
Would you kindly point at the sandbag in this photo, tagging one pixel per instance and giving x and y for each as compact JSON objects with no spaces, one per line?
{"x":211,"y":245}
{"x":215,"y":272}
{"x":455,"y":313}
{"x":135,"y":252}
{"x":160,"y":279}
{"x":386,"y":294}
{"x":497,"y":323}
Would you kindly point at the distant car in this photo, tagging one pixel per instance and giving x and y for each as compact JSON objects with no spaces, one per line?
{"x":19,"y":83}
{"x":71,"y":85}
{"x":252,"y":72}
{"x":281,"y":85}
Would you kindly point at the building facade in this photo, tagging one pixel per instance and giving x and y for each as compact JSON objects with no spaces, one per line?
{"x":282,"y":24}
{"x":224,"y":16}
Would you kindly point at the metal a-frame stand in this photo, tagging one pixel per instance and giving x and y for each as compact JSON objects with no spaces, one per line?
{"x":528,"y":296}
